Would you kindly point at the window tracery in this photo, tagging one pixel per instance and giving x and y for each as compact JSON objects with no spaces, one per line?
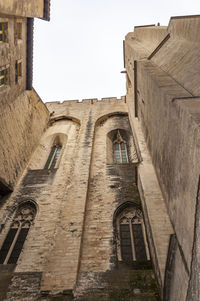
{"x":17,"y":234}
{"x":131,"y":242}
{"x":120,"y":150}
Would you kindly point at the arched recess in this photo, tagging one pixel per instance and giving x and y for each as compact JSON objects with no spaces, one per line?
{"x":13,"y":242}
{"x":62,"y":117}
{"x":120,"y":147}
{"x":130,"y":234}
{"x":58,"y":141}
{"x":100,"y":121}
{"x":119,"y":138}
{"x":53,"y":143}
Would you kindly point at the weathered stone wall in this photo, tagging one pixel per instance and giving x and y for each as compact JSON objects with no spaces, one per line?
{"x":155,"y":212}
{"x":160,"y":91}
{"x":31,"y":8}
{"x":23,"y":115}
{"x":22,"y":123}
{"x":72,"y":237}
{"x":108,"y":188}
{"x":24,"y":286}
{"x":70,"y":227}
{"x":12,"y":49}
{"x":179,"y":56}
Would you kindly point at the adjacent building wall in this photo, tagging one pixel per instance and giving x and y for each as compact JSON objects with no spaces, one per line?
{"x":13,"y":50}
{"x":22,"y":123}
{"x":31,"y":8}
{"x":161,"y":91}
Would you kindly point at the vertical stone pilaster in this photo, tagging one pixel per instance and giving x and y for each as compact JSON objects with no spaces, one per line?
{"x":61,"y":269}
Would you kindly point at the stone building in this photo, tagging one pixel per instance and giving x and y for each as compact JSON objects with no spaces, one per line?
{"x":99,"y":200}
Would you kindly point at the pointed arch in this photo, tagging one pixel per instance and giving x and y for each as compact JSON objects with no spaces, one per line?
{"x":52,"y":160}
{"x":16,"y":236}
{"x":130,"y":233}
{"x":120,"y":149}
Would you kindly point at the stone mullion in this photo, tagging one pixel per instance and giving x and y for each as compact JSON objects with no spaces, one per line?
{"x":132,"y":240}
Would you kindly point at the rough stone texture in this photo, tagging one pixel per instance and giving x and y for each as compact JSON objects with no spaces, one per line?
{"x":117,"y":182}
{"x":162,"y":89}
{"x":119,"y":285}
{"x":23,"y":116}
{"x":21,"y":126}
{"x":182,"y":50}
{"x":11,"y":50}
{"x":31,"y":8}
{"x":5,"y":279}
{"x":24,"y":287}
{"x":73,"y":234}
{"x":71,"y":248}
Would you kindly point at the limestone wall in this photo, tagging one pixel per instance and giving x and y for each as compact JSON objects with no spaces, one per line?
{"x":162,"y":90}
{"x":13,"y":50}
{"x":31,"y":8}
{"x":179,"y":56}
{"x":72,"y":237}
{"x":22,"y":123}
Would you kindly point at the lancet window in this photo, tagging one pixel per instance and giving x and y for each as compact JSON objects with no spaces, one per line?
{"x":53,"y":157}
{"x":120,"y":150}
{"x":17,"y":234}
{"x":132,"y":244}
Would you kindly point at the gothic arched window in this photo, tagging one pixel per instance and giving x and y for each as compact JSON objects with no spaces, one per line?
{"x":17,"y":234}
{"x":120,"y":149}
{"x":53,"y":156}
{"x":132,"y":245}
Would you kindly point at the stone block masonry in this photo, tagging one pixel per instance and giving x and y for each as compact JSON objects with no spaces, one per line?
{"x":73,"y":237}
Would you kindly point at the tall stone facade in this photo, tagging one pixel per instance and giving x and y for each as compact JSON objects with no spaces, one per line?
{"x":99,"y":200}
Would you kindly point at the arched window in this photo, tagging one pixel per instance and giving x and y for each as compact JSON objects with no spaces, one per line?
{"x":53,"y":157}
{"x":132,"y":244}
{"x":17,"y":234}
{"x":120,"y":150}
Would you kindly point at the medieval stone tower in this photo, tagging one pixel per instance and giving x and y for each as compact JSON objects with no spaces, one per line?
{"x":99,"y":200}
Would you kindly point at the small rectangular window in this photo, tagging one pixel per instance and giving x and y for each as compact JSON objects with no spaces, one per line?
{"x":19,"y":30}
{"x":18,"y":71}
{"x":3,"y":77}
{"x":3,"y":31}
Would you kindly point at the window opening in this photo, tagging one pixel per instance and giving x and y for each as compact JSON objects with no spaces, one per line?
{"x":3,"y":31}
{"x":53,"y":157}
{"x":17,"y":234}
{"x":19,"y":30}
{"x":3,"y":77}
{"x":120,"y":150}
{"x":132,"y":238}
{"x":18,"y":70}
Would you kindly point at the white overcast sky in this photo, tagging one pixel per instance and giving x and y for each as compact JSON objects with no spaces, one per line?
{"x":79,"y":53}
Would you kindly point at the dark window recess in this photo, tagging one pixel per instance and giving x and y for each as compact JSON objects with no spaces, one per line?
{"x":4,"y":189}
{"x":18,"y":246}
{"x":58,"y":150}
{"x":53,"y":157}
{"x":126,"y":249}
{"x":50,"y":157}
{"x":140,"y":251}
{"x":7,"y":244}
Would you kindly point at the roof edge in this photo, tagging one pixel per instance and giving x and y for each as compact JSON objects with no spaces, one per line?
{"x":46,"y":12}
